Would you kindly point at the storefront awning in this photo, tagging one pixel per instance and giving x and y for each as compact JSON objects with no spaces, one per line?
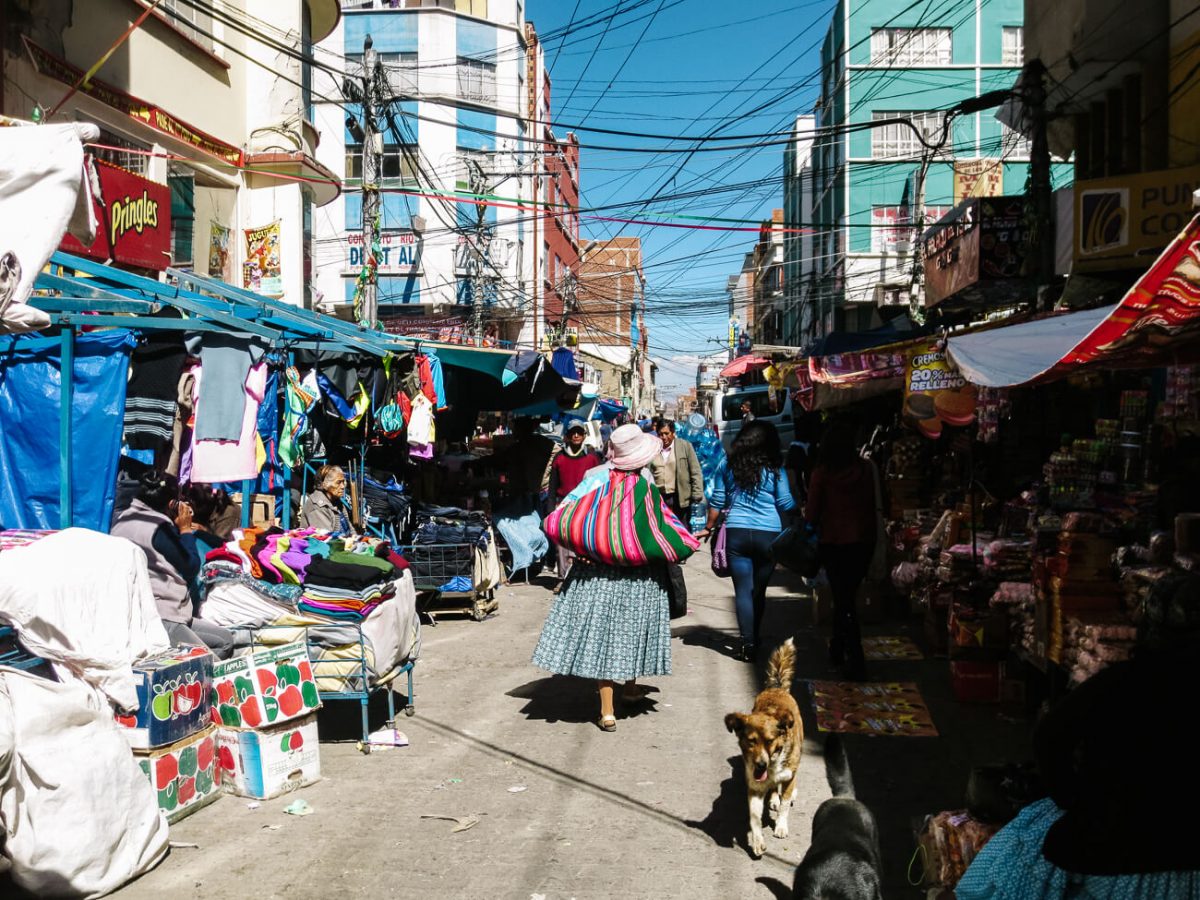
{"x":744,"y":364}
{"x":1004,"y":357}
{"x":1157,"y":323}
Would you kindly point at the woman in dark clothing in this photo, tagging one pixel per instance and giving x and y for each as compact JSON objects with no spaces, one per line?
{"x":841,"y":506}
{"x":1117,"y":757}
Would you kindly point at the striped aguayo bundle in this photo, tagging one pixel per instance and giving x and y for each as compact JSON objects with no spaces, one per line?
{"x":623,"y":523}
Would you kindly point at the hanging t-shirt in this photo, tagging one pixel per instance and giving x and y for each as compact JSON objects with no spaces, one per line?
{"x":216,"y":461}
{"x":439,"y":384}
{"x":420,"y":423}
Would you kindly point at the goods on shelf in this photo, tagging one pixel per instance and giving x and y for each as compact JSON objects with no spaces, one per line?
{"x":949,"y":842}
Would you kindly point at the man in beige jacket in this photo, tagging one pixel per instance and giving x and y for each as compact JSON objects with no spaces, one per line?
{"x":677,"y":471}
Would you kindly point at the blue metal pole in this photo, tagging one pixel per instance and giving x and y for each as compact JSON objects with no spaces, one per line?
{"x":285,"y":469}
{"x":66,"y":370}
{"x":247,"y":499}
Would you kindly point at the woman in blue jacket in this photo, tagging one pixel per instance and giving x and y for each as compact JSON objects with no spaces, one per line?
{"x":751,"y":490}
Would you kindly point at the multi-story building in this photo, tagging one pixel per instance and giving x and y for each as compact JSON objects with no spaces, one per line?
{"x":768,"y":298}
{"x":207,"y":109}
{"x":888,"y":60}
{"x":798,"y":263}
{"x":555,"y":239}
{"x":1121,"y":87}
{"x":740,"y":289}
{"x":453,"y":118}
{"x":609,"y":315}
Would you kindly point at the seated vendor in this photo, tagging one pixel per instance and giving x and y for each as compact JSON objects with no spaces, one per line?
{"x":323,"y":509}
{"x":161,"y":524}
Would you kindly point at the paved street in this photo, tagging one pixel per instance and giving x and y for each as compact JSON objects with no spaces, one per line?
{"x":653,"y":810}
{"x":656,"y":809}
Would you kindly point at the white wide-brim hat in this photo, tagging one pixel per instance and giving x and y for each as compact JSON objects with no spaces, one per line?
{"x":630,"y":448}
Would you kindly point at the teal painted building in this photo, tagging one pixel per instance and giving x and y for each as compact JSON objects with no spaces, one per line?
{"x":885,"y":59}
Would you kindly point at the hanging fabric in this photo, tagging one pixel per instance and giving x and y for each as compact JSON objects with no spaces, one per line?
{"x":299,"y":399}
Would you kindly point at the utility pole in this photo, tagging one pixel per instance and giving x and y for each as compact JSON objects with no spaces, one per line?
{"x":1041,"y":236}
{"x":372,"y":138}
{"x":478,"y":181}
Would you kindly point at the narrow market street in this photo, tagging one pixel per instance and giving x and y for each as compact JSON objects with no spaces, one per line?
{"x":656,"y":809}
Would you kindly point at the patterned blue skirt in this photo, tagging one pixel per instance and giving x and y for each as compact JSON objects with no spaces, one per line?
{"x":1011,"y":867}
{"x":609,"y":623}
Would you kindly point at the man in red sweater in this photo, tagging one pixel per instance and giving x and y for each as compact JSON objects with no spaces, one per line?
{"x":566,"y":471}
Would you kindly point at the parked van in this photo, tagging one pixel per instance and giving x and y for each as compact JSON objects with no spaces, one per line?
{"x":770,"y":404}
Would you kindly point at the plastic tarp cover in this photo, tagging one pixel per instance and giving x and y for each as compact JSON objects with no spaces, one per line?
{"x":524,"y":537}
{"x":1005,"y":357}
{"x":79,"y":816}
{"x":30,"y":401}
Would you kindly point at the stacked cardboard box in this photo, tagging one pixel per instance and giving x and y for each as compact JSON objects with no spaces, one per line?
{"x":264,"y":708}
{"x":170,"y":732}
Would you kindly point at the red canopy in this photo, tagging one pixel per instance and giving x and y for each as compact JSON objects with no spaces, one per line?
{"x":744,"y":364}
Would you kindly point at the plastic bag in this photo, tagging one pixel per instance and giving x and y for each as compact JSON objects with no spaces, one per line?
{"x":80,"y":817}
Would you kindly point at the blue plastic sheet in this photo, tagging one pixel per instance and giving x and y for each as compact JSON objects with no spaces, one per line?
{"x":524,"y":537}
{"x":30,"y":400}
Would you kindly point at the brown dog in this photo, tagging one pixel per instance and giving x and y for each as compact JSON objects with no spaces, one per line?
{"x":771,"y":737}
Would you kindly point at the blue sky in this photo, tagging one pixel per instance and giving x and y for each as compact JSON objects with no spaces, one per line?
{"x":682,"y":67}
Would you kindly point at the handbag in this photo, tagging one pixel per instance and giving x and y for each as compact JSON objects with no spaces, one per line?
{"x":676,"y":592}
{"x":720,"y":553}
{"x":797,"y":549}
{"x":622,"y":522}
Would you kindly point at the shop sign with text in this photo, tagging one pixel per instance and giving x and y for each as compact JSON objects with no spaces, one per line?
{"x":1126,"y":221}
{"x":400,"y":253}
{"x":133,"y":220}
{"x":935,"y":394}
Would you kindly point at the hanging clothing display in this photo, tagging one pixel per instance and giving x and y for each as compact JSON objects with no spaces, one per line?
{"x":420,"y":423}
{"x":300,"y":397}
{"x":217,"y":461}
{"x":181,"y":429}
{"x":439,"y":383}
{"x":151,"y":397}
{"x":226,"y":359}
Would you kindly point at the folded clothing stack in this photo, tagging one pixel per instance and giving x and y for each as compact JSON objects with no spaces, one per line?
{"x":344,"y":603}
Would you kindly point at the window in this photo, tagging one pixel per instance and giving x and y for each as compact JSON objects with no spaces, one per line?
{"x":476,"y":80}
{"x":183,"y":217}
{"x":1012,"y":46}
{"x":472,"y":7}
{"x":910,"y":47}
{"x":190,"y":19}
{"x":399,"y":161}
{"x":898,"y":141}
{"x":399,"y":72}
{"x":126,"y":156}
{"x":1013,"y":144}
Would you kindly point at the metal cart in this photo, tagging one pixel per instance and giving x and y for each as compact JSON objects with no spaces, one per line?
{"x":358,"y":686}
{"x":448,"y":576}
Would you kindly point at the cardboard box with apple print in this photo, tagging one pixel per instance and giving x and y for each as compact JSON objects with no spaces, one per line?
{"x":173,"y":689}
{"x":265,"y":762}
{"x":266,"y":687}
{"x":185,"y":775}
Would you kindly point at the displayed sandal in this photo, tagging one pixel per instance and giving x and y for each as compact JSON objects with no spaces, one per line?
{"x":607,"y":723}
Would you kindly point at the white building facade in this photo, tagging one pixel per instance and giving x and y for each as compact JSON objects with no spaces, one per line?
{"x":453,"y":122}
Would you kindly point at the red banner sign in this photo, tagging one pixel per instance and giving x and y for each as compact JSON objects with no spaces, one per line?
{"x":133,"y":221}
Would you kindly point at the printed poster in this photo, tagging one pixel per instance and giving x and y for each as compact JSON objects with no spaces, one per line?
{"x":262,"y":270}
{"x":218,"y":251}
{"x":935,"y":394}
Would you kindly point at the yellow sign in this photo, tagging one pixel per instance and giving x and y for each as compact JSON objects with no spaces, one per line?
{"x":934,"y":392}
{"x":978,"y":178}
{"x":1126,"y":221}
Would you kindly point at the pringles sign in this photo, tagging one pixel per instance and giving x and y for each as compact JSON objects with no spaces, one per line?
{"x":133,"y":219}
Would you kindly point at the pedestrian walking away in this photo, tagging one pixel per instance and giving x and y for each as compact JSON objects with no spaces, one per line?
{"x":841,"y":506}
{"x":678,"y":474}
{"x":611,"y":623}
{"x":567,"y":469}
{"x":753,"y":493}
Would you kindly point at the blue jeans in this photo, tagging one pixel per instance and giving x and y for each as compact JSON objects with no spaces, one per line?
{"x":751,"y":567}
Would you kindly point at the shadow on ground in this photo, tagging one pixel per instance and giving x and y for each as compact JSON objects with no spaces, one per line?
{"x":727,"y":822}
{"x":563,"y":698}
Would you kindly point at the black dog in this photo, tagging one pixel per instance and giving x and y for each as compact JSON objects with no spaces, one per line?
{"x":843,"y":860}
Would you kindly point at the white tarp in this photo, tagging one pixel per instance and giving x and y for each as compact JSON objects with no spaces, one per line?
{"x":79,"y":816}
{"x":43,"y":193}
{"x":1005,"y":357}
{"x":82,"y":600}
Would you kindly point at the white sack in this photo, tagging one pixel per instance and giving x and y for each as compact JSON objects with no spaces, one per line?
{"x":80,"y":817}
{"x":42,"y":192}
{"x":82,"y":601}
